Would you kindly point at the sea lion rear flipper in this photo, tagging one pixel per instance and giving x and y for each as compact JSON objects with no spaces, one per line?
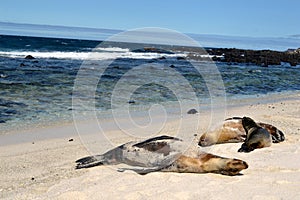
{"x":277,"y":136}
{"x":90,"y":161}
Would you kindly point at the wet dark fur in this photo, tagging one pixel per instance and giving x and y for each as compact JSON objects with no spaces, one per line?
{"x":257,"y":137}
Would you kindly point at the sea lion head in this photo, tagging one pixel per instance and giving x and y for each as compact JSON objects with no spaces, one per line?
{"x":207,"y":140}
{"x":234,"y":166}
{"x":248,"y":123}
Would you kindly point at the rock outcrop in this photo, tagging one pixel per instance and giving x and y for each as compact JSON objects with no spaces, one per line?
{"x":258,"y":57}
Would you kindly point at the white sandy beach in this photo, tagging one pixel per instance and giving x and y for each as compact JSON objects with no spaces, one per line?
{"x":40,"y":163}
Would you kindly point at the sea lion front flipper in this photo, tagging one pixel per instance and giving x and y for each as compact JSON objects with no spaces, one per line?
{"x":141,"y":171}
{"x":239,"y":138}
{"x":164,"y":163}
{"x":245,"y":148}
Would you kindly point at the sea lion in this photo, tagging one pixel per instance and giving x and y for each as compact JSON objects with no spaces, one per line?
{"x":166,"y":154}
{"x":257,"y":136}
{"x":232,"y":131}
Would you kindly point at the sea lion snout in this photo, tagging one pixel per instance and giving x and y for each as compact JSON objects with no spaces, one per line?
{"x":239,"y":164}
{"x":234,"y":166}
{"x":205,"y":140}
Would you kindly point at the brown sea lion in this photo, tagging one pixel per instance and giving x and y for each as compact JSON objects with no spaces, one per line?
{"x":166,"y":154}
{"x":257,"y":136}
{"x":232,"y":131}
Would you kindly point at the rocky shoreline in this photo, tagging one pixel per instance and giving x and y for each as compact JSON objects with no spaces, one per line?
{"x":263,"y":58}
{"x":258,"y":57}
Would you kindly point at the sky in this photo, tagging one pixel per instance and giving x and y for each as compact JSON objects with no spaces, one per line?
{"x":254,"y":18}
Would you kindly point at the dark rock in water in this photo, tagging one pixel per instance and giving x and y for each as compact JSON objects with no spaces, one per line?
{"x":162,"y":58}
{"x":131,"y":102}
{"x":29,"y":57}
{"x":22,"y":65}
{"x":2,"y":121}
{"x":172,"y":66}
{"x":151,"y":50}
{"x":180,"y":58}
{"x":293,"y":63}
{"x":192,"y":111}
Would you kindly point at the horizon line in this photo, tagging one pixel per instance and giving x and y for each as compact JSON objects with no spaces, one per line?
{"x":293,"y":36}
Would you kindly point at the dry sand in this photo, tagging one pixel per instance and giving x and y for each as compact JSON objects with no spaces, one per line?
{"x":40,"y":163}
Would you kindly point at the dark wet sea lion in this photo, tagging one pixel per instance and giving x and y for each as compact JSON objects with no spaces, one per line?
{"x":166,"y":154}
{"x":257,"y":136}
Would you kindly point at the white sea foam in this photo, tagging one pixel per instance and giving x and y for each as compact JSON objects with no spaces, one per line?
{"x":105,"y":55}
{"x":54,"y":54}
{"x":112,"y":49}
